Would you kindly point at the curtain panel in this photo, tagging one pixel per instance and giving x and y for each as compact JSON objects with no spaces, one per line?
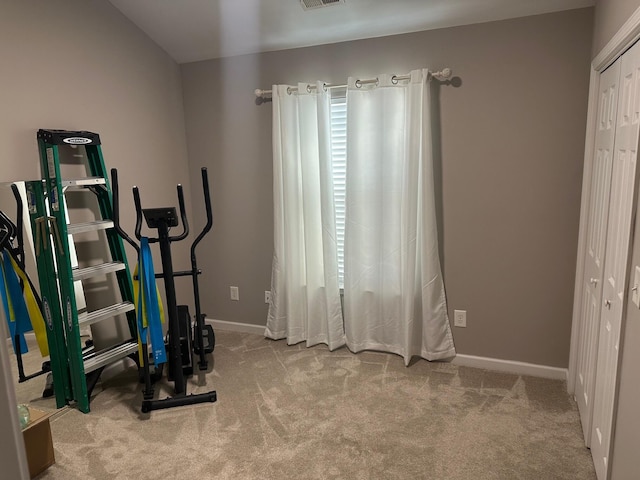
{"x":394,"y":297}
{"x":305,"y":296}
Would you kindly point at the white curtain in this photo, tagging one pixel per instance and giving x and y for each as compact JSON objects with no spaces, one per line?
{"x":394,"y":296}
{"x":305,"y":302}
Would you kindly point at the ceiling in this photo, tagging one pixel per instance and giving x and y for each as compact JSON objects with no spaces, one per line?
{"x":192,"y":30}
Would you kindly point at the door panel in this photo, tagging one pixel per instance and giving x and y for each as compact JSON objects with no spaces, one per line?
{"x":596,"y":243}
{"x":616,"y":257}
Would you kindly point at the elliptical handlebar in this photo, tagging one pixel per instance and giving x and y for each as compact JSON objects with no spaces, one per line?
{"x":138,"y":205}
{"x":116,"y":211}
{"x":19,"y":225}
{"x":207,"y":204}
{"x":183,"y":217}
{"x":183,"y":213}
{"x":202,"y":363}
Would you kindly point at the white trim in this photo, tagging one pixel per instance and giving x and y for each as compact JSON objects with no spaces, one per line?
{"x":628,"y":34}
{"x":495,"y":364}
{"x":589,"y":146}
{"x":510,"y":366}
{"x":624,"y":38}
{"x":236,"y":327}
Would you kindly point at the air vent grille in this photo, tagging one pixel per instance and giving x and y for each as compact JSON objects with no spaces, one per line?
{"x":313,"y":4}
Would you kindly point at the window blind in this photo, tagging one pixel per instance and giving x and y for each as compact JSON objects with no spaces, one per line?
{"x":339,"y":165}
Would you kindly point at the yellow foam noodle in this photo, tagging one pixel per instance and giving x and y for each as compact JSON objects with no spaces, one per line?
{"x":35,"y":314}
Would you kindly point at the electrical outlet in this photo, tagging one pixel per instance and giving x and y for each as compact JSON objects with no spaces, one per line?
{"x":267,"y":296}
{"x":460,"y":318}
{"x":235,"y":294}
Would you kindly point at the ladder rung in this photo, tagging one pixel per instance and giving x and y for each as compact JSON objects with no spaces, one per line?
{"x":87,"y":272}
{"x":106,"y":357}
{"x":88,"y":318}
{"x":83,"y":182}
{"x":89,"y":226}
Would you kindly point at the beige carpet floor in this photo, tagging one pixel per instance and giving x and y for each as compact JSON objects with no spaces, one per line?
{"x":291,"y":412}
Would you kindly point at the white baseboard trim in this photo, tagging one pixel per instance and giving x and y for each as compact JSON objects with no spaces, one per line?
{"x":495,"y":364}
{"x":511,"y":366}
{"x":236,"y":327}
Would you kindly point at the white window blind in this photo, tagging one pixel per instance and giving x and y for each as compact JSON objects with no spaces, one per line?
{"x":339,"y":161}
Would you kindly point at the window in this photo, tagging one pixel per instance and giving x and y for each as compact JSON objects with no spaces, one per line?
{"x":339,"y":161}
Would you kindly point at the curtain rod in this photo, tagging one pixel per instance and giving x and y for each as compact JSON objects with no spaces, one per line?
{"x":444,"y":74}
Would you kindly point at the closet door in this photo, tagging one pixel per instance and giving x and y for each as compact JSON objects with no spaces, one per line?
{"x":616,"y":257}
{"x":596,"y":242}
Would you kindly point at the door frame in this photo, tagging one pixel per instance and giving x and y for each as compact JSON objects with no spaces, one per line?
{"x":628,"y":34}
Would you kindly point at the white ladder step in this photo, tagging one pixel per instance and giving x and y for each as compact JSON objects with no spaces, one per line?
{"x":83,"y":182}
{"x":107,"y":357}
{"x":88,"y":318}
{"x":103,"y":269}
{"x":89,"y":226}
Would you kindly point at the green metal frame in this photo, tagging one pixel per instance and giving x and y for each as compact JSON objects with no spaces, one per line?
{"x":49,"y":293}
{"x":50,"y":167}
{"x":67,"y":338}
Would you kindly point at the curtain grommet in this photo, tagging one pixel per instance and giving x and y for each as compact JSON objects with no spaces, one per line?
{"x":358,"y":84}
{"x":308,"y":88}
{"x":324,"y":86}
{"x":394,"y":80}
{"x":288,"y":90}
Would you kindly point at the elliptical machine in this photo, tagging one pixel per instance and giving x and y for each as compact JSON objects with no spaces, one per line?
{"x":12,"y":240}
{"x":180,"y":344}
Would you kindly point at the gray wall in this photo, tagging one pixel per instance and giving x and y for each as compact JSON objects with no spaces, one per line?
{"x":609,"y":18}
{"x":79,"y":64}
{"x":512,"y":143}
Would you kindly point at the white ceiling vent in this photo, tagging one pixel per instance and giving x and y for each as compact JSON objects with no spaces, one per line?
{"x":313,"y":4}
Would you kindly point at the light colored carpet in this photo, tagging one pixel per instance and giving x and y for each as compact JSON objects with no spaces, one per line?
{"x":291,"y":412}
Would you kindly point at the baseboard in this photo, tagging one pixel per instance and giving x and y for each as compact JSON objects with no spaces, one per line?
{"x":511,"y":366}
{"x":495,"y":364}
{"x":236,"y":327}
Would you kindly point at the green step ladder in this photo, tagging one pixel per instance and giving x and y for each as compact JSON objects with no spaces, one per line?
{"x":53,"y":233}
{"x":40,"y":227}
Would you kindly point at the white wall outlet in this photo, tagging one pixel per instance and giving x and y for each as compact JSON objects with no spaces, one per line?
{"x":267,"y":296}
{"x":235,"y":294}
{"x":460,"y":318}
{"x":635,"y":288}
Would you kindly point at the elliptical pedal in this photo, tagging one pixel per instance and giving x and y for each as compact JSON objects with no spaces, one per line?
{"x":208,"y":339}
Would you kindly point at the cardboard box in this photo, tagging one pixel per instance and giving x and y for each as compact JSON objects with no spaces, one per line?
{"x":38,"y":442}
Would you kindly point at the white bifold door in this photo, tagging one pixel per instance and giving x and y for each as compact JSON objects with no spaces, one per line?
{"x":598,"y":215}
{"x":604,"y":283}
